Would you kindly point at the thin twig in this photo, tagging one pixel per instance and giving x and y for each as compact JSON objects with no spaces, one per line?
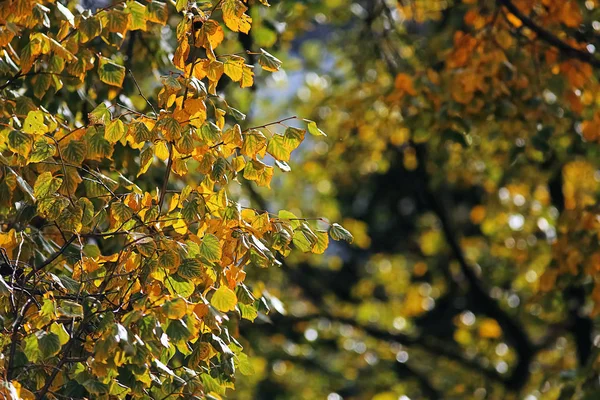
{"x":272,"y":123}
{"x":140,"y":91}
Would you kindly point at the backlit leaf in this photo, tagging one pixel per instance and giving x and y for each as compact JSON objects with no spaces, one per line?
{"x":110,"y":72}
{"x":114,"y":131}
{"x":46,"y":184}
{"x":338,"y":232}
{"x":268,"y":62}
{"x":224,"y":299}
{"x":210,"y":248}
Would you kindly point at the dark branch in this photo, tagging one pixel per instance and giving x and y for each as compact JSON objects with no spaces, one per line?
{"x":550,"y":38}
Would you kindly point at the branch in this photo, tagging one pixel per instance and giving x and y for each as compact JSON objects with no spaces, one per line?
{"x":56,"y":370}
{"x":140,"y":92}
{"x":271,"y":123}
{"x":523,"y":346}
{"x":51,"y":259}
{"x":14,"y":339}
{"x":425,"y":343}
{"x":12,"y":79}
{"x":426,"y":387}
{"x":549,"y":37}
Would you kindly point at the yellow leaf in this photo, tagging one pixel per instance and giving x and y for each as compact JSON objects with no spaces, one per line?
{"x":254,"y":143}
{"x":234,"y":68}
{"x":234,"y":17}
{"x":174,"y":309}
{"x":224,"y":299}
{"x":247,"y":76}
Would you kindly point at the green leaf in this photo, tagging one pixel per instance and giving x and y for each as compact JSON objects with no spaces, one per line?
{"x":116,"y":21}
{"x":313,"y":129}
{"x":32,"y":348}
{"x":95,"y":387}
{"x":219,"y":169}
{"x":281,"y":147}
{"x":268,"y":62}
{"x":41,"y":150}
{"x":181,"y":5}
{"x":60,"y":331}
{"x":171,"y":128}
{"x":121,"y":212}
{"x":51,"y":207}
{"x":302,"y":241}
{"x":237,"y":114}
{"x":115,"y":130}
{"x":190,"y":268}
{"x":277,"y":149}
{"x":70,"y":309}
{"x":244,"y":365}
{"x":288,"y":215}
{"x":70,"y":218}
{"x":174,"y":309}
{"x":248,"y":311}
{"x":224,"y":299}
{"x":49,"y":344}
{"x":178,"y":332}
{"x":157,"y":12}
{"x":75,"y":152}
{"x":45,"y":185}
{"x":244,"y":295}
{"x":98,"y":147}
{"x":185,"y":144}
{"x":138,"y":15}
{"x":210,"y":248}
{"x":100,"y":114}
{"x":168,"y":260}
{"x":111,"y":73}
{"x":146,"y":158}
{"x":89,"y":28}
{"x":141,"y":133}
{"x":212,"y":385}
{"x":338,"y":232}
{"x":176,"y":285}
{"x":87,"y":210}
{"x":19,"y":143}
{"x":41,"y":84}
{"x":210,"y":133}
{"x":189,"y":212}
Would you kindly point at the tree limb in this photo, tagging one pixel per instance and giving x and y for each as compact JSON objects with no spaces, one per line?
{"x":549,"y":37}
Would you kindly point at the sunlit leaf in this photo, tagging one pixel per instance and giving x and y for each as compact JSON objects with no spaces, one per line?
{"x":110,"y":73}
{"x":224,"y":299}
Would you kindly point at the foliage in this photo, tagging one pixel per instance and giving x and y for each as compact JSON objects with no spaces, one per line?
{"x":124,"y":246}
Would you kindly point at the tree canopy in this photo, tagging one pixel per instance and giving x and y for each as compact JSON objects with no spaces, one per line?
{"x":123,"y":248}
{"x":165,"y":220}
